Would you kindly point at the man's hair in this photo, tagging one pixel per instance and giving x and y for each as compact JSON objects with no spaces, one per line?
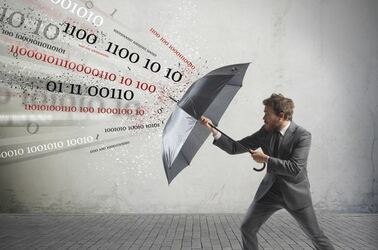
{"x":279,"y":104}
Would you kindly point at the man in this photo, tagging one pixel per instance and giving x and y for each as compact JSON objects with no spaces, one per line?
{"x":285,"y":148}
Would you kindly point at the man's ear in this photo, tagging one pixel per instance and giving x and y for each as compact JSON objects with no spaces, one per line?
{"x":281,"y":115}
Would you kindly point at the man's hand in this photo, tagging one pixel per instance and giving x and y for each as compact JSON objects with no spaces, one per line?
{"x":206,"y":122}
{"x":259,"y":156}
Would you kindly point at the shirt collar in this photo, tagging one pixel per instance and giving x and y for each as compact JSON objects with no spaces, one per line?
{"x":283,"y":130}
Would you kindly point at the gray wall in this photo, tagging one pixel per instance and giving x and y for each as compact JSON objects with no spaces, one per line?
{"x":322,"y":54}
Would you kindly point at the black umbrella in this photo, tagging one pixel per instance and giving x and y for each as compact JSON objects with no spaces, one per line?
{"x":210,"y":96}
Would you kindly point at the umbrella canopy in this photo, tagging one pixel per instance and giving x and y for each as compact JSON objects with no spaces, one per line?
{"x":210,"y":96}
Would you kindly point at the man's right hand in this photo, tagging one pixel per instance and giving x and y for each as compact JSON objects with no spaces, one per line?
{"x":206,"y":122}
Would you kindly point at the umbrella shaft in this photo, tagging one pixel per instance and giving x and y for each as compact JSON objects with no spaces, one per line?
{"x":229,"y":137}
{"x":241,"y":145}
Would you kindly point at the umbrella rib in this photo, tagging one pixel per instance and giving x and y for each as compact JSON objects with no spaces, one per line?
{"x":193,"y":107}
{"x":185,"y":158}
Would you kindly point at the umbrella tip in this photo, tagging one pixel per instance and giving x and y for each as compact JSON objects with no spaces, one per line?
{"x":173,"y":99}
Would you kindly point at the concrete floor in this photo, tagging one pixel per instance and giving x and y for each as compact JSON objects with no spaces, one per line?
{"x":187,"y":231}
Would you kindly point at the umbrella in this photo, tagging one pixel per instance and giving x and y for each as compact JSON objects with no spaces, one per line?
{"x":210,"y":96}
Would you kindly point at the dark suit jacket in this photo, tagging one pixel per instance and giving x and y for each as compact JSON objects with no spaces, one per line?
{"x":289,"y":168}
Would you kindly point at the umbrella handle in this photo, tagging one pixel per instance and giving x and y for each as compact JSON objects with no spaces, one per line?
{"x":261,"y":169}
{"x":256,"y":169}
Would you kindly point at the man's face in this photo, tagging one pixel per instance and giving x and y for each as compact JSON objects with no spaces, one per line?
{"x":271,"y":120}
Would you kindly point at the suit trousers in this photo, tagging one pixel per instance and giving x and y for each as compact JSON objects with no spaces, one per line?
{"x":259,"y":212}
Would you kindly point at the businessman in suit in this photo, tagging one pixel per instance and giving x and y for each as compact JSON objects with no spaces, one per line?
{"x":285,"y":148}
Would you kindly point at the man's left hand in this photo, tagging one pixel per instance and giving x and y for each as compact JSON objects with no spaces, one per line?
{"x":259,"y":156}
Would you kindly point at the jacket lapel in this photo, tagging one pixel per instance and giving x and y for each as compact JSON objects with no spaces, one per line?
{"x":287,"y":138}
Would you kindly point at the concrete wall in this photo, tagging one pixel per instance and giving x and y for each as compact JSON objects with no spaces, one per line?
{"x":322,"y":54}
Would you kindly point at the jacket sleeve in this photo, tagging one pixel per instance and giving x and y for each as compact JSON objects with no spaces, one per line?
{"x":297,"y":160}
{"x":232,"y":147}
